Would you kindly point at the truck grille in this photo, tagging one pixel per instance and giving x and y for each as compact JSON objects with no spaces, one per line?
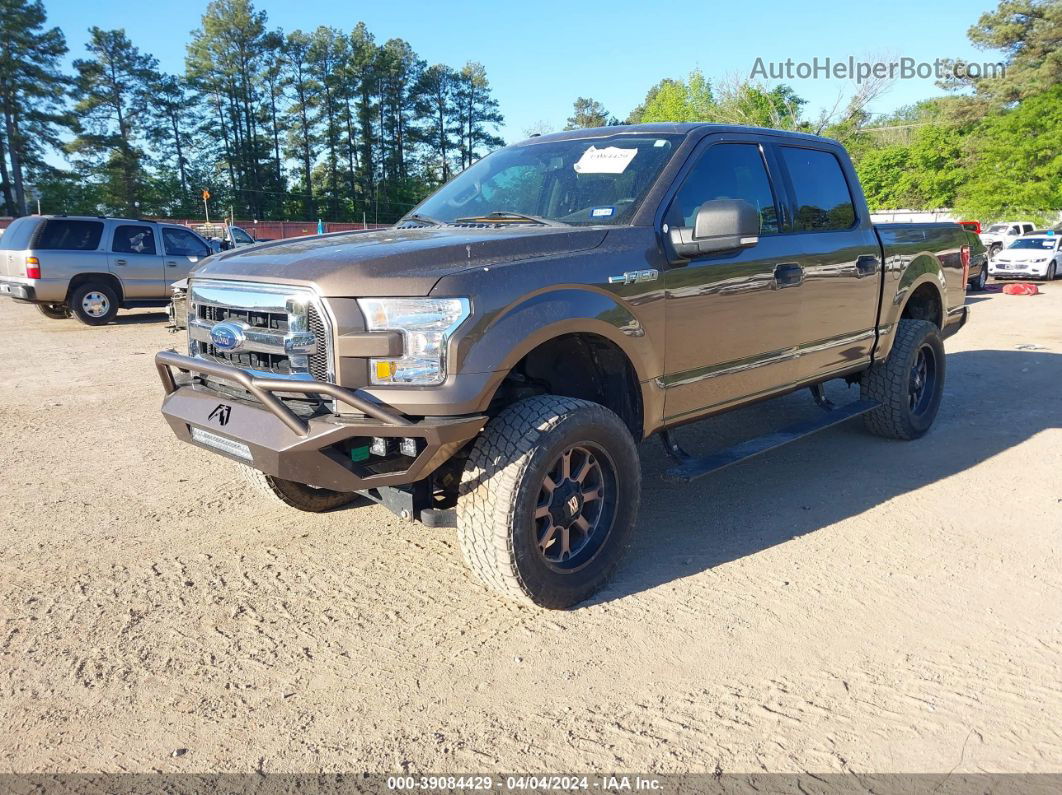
{"x":275,"y":329}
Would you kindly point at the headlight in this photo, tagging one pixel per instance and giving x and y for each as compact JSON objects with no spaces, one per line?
{"x":1040,"y":259}
{"x":426,"y":325}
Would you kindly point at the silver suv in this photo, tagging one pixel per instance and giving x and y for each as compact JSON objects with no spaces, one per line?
{"x":91,"y":266}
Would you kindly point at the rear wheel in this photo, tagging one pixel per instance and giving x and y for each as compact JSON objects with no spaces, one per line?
{"x":908,"y":385}
{"x":548,"y":500}
{"x":54,"y":311}
{"x":94,"y":304}
{"x":297,"y":495}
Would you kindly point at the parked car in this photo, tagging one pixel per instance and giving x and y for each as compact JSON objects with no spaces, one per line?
{"x":92,"y":266}
{"x":1036,"y":256}
{"x":493,"y":359}
{"x":999,"y":235}
{"x":223,"y":237}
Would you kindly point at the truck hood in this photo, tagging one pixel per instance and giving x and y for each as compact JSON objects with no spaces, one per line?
{"x":391,"y":262}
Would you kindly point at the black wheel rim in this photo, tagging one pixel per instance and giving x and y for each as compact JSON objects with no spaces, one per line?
{"x":923,"y":380}
{"x":576,"y":507}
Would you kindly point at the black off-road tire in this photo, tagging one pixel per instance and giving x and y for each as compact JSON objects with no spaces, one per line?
{"x":892,"y":383}
{"x":297,"y":495}
{"x":502,"y":484}
{"x":80,"y":298}
{"x":54,"y":311}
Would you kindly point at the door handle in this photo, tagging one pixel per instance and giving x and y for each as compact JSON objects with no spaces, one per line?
{"x":120,"y":262}
{"x":866,"y":265}
{"x":171,"y":263}
{"x":788,"y":274}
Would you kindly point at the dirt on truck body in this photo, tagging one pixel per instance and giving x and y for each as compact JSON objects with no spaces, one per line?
{"x":492,"y":360}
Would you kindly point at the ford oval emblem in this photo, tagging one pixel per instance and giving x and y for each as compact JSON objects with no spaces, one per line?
{"x":226,"y":336}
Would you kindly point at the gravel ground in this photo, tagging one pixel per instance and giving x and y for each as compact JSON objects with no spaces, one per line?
{"x":844,"y":604}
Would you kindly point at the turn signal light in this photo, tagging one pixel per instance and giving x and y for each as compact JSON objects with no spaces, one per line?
{"x":33,"y":268}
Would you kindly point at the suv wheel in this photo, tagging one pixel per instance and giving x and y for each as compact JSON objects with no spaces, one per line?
{"x":94,"y":304}
{"x":982,"y":278}
{"x":54,"y":311}
{"x":909,"y":384}
{"x":548,"y":500}
{"x":297,"y":495}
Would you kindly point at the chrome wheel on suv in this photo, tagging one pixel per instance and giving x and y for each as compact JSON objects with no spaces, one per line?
{"x":94,"y":304}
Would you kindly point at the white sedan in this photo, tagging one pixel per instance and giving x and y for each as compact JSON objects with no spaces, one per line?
{"x":1029,"y":257}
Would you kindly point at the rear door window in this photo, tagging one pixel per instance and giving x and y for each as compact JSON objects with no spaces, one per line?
{"x":240,"y":236}
{"x":69,"y":235}
{"x":134,"y":240}
{"x":823,"y":200}
{"x":182,"y":243}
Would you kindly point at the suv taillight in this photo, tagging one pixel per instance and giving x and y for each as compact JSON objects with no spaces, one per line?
{"x":964,"y":255}
{"x":33,"y":268}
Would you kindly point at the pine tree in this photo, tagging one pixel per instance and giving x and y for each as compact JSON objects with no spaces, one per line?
{"x":32,"y":89}
{"x":113,"y":93}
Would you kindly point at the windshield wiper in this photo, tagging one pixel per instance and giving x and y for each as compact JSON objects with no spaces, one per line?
{"x":503,"y":215}
{"x":423,"y":219}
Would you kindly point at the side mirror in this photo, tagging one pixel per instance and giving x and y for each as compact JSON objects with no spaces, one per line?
{"x":720,"y":225}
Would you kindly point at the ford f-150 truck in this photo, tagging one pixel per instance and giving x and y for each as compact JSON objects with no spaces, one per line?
{"x":492,"y":361}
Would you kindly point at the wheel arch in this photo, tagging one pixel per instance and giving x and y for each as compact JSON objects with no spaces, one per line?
{"x":108,"y":279}
{"x":920,"y":294}
{"x":562,"y":335}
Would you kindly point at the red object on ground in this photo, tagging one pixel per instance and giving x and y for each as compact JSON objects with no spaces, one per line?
{"x":1021,"y":288}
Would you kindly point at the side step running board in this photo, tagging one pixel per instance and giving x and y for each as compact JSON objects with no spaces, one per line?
{"x":690,"y":468}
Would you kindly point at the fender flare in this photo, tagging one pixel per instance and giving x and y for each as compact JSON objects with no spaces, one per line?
{"x":924,"y":268}
{"x":552,"y":313}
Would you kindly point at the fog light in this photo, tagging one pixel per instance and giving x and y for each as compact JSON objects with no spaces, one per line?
{"x":408,"y":447}
{"x":380,"y":446}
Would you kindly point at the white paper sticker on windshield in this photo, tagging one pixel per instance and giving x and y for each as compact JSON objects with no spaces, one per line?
{"x":610,"y":160}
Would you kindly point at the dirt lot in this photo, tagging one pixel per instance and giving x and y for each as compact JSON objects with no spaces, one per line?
{"x":847,"y":603}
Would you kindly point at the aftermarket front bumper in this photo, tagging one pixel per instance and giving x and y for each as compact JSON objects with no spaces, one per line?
{"x":265,"y":433}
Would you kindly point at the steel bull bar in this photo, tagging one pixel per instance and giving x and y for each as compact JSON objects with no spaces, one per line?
{"x":266,"y":434}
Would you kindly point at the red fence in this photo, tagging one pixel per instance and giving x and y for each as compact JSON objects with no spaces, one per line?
{"x":267,"y":230}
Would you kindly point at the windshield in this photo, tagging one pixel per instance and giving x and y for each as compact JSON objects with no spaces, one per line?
{"x":583,"y":181}
{"x":1047,"y":243}
{"x":240,"y":236}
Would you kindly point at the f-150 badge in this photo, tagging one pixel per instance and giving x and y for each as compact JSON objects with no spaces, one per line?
{"x":631,"y":277}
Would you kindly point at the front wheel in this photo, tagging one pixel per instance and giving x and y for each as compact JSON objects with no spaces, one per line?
{"x":548,"y":500}
{"x":979,"y":283}
{"x":908,"y":385}
{"x":54,"y":311}
{"x":297,"y":495}
{"x":1051,"y":272}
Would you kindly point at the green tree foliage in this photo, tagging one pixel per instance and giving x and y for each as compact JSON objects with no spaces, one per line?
{"x":588,"y":113}
{"x":114,"y":98}
{"x":477,"y":114}
{"x":32,"y":89}
{"x":1018,"y":161}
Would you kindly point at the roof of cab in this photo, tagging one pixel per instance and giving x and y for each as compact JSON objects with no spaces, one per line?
{"x":668,"y":128}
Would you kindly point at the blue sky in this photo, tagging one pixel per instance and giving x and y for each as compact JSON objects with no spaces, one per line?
{"x":541,"y":56}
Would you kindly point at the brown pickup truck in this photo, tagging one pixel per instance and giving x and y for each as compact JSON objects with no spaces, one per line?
{"x":492,"y":361}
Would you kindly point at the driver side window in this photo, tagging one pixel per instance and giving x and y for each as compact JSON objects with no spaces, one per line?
{"x":727,"y":171}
